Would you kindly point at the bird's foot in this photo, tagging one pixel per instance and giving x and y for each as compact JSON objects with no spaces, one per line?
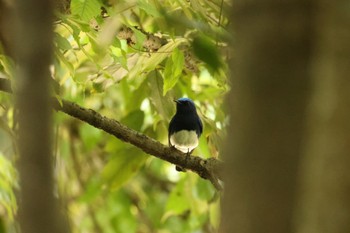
{"x":180,"y":169}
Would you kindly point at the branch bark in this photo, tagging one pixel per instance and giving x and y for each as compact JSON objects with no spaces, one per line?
{"x":206,"y":168}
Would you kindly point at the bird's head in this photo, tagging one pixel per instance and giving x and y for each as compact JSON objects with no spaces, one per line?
{"x":185,"y":105}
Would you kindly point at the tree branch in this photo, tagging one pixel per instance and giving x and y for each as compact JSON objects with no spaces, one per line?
{"x":206,"y":168}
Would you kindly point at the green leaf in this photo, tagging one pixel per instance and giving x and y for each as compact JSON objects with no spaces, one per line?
{"x":150,"y":63}
{"x":134,"y":119}
{"x":123,"y":165}
{"x":133,"y":98}
{"x":77,"y":26}
{"x":62,"y":42}
{"x":91,"y":136}
{"x":7,"y":64}
{"x":214,"y":214}
{"x":164,"y":105}
{"x":86,"y":9}
{"x":59,"y":100}
{"x":8,"y":183}
{"x":91,"y":190}
{"x":205,"y":190}
{"x":207,"y":51}
{"x":178,"y":201}
{"x":178,"y":60}
{"x":98,"y":87}
{"x":140,"y":38}
{"x":173,"y":70}
{"x":2,"y":226}
{"x":64,"y":60}
{"x":148,"y":8}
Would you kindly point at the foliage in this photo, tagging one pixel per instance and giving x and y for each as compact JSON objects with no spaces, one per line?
{"x":129,"y":60}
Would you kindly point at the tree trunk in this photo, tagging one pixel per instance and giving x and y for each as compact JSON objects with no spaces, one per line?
{"x":270,"y":88}
{"x":325,"y":179}
{"x":33,"y":41}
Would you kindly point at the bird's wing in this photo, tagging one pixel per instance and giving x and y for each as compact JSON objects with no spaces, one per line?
{"x":200,"y":126}
{"x":170,"y":130}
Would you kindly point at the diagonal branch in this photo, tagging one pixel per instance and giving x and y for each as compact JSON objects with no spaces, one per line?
{"x":206,"y":168}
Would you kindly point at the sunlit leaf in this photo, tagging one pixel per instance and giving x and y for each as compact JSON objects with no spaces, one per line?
{"x":150,"y":63}
{"x":148,"y":8}
{"x":173,"y":70}
{"x":86,"y":9}
{"x":8,"y":183}
{"x":7,"y":64}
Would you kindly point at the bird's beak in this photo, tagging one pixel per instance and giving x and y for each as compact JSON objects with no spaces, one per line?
{"x":176,"y":101}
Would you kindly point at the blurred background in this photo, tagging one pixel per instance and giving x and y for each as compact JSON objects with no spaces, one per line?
{"x":270,"y":81}
{"x":127,"y":60}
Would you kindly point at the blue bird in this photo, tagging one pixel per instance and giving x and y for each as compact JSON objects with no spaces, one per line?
{"x":185,"y":127}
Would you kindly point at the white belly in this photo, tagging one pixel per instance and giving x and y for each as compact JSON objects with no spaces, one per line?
{"x":184,"y":140}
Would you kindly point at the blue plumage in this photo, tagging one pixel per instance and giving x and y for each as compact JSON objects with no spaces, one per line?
{"x":185,"y":127}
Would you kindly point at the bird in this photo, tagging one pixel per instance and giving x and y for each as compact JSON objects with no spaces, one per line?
{"x":185,"y":127}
